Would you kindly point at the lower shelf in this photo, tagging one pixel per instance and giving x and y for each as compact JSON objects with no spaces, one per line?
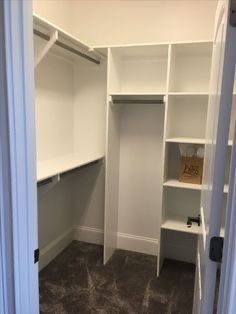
{"x":52,"y":167}
{"x":179,"y":224}
{"x":177,"y":184}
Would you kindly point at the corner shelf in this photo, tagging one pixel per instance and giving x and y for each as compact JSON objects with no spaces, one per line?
{"x":179,"y":224}
{"x":177,"y":184}
{"x":55,"y":166}
{"x":187,"y":140}
{"x":188,"y":93}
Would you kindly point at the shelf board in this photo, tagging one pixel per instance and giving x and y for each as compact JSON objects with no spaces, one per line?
{"x":189,"y":140}
{"x":188,"y":93}
{"x":179,"y":224}
{"x":230,"y":142}
{"x":177,"y":184}
{"x":133,"y":93}
{"x":55,"y":166}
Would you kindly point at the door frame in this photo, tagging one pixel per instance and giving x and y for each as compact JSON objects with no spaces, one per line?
{"x":227,"y":289}
{"x":18,"y":184}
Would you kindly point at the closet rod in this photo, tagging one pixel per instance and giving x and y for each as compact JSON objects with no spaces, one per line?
{"x":66,"y":47}
{"x":138,"y":101}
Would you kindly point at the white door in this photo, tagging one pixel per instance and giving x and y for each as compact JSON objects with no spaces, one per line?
{"x":18,"y":185}
{"x":219,"y":110}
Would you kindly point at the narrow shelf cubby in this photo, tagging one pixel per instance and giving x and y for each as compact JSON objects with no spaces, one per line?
{"x":187,"y":117}
{"x":190,"y":67}
{"x":137,"y":70}
{"x":178,"y":206}
{"x":172,"y":166}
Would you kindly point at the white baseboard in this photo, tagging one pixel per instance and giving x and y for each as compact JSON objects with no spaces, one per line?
{"x":124,"y":241}
{"x":55,"y":247}
{"x":88,"y":234}
{"x":94,"y":235}
{"x":136,"y":243}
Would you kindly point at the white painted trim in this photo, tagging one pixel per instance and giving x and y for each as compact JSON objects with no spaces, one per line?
{"x":227,"y":290}
{"x":7,"y":298}
{"x":210,"y":40}
{"x":88,"y":234}
{"x":125,"y":241}
{"x":136,"y":243}
{"x":21,"y":132}
{"x":54,"y":248}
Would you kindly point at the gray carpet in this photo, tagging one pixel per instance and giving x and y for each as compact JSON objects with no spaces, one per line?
{"x":77,"y":282}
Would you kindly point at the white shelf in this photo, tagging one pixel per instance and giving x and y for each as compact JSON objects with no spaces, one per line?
{"x":188,"y":93}
{"x":133,"y":93}
{"x":230,"y":142}
{"x":66,"y":44}
{"x":179,"y":224}
{"x":189,"y":140}
{"x":177,"y":184}
{"x":49,"y":168}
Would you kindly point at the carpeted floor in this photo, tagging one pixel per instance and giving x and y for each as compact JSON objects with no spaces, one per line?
{"x":77,"y":282}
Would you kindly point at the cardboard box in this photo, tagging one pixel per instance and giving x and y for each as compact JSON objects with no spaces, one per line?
{"x":191,"y":169}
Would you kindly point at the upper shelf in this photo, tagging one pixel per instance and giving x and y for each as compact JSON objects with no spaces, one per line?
{"x":70,"y":45}
{"x":187,"y":140}
{"x":55,"y":166}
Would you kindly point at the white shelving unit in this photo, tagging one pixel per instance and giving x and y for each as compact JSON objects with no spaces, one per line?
{"x":70,"y":119}
{"x":180,"y":74}
{"x":186,"y":113}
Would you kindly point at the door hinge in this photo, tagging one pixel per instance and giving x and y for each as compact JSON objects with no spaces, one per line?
{"x":233,"y":13}
{"x":36,"y":256}
{"x":216,"y":249}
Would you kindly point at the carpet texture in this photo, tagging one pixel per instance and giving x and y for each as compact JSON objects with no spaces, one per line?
{"x":77,"y":282}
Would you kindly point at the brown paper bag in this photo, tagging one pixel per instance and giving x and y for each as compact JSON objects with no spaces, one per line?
{"x":191,"y":169}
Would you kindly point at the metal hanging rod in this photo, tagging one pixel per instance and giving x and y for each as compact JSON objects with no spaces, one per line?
{"x":66,"y":47}
{"x":138,"y":101}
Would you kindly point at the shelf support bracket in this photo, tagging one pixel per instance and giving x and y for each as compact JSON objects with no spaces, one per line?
{"x":46,"y":48}
{"x":46,"y":185}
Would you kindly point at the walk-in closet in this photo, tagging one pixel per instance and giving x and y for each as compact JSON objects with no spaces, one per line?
{"x":116,"y":122}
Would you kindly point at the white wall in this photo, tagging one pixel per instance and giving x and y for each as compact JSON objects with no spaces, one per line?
{"x":58,"y":12}
{"x":55,"y":219}
{"x":125,"y":22}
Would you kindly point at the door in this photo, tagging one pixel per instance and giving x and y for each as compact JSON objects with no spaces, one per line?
{"x":219,"y":110}
{"x":18,"y":187}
